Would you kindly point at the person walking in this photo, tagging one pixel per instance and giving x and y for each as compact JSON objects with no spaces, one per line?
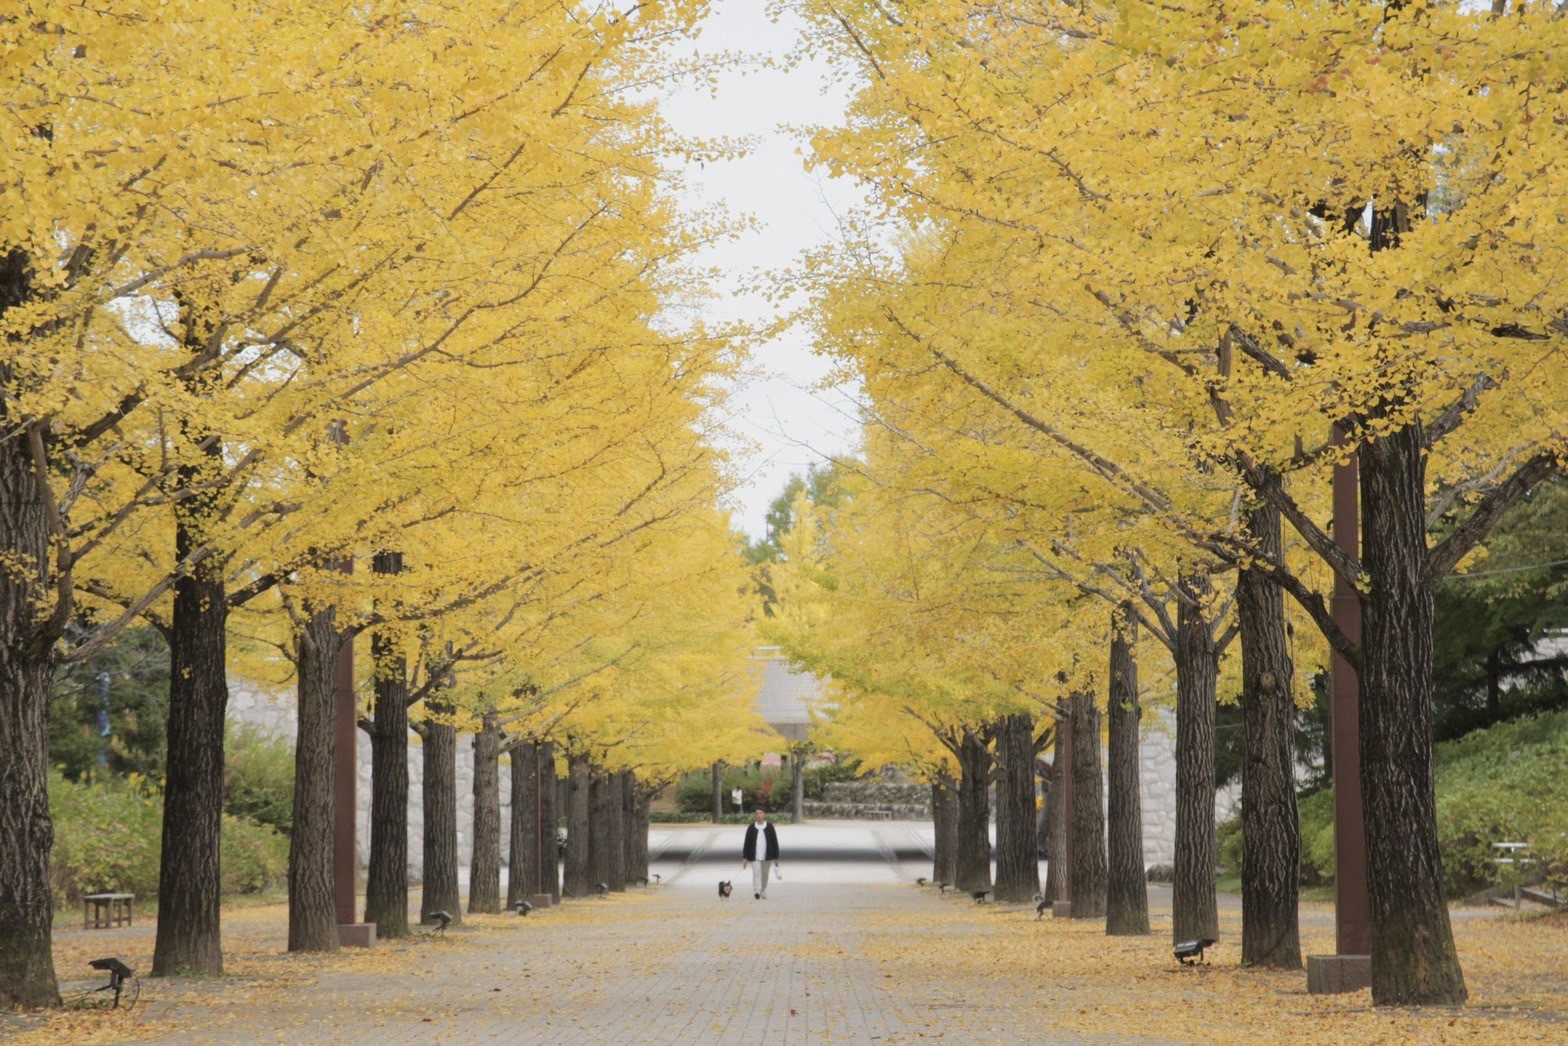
{"x":760,"y":830}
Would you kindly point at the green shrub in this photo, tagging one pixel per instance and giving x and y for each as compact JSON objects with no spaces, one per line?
{"x":258,"y":777}
{"x":769,"y":788}
{"x":772,"y":788}
{"x":1316,"y":813}
{"x":674,"y":817}
{"x":255,"y":856}
{"x":1508,"y":783}
{"x":108,"y":837}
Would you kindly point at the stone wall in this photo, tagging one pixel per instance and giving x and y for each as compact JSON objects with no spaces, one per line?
{"x":1157,"y":793}
{"x":876,"y":791}
{"x":274,"y":713}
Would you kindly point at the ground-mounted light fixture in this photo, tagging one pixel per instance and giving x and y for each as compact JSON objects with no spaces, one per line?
{"x":1189,"y":952}
{"x":118,"y":973}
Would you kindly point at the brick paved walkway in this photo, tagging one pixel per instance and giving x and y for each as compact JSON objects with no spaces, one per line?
{"x":846,"y":949}
{"x":670,"y":964}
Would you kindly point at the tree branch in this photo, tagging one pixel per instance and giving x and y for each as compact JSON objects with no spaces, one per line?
{"x":1446,"y":555}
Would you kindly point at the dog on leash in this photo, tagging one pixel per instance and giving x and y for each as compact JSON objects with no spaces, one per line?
{"x":724,"y":890}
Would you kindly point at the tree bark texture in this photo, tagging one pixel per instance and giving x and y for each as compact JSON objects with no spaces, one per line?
{"x":944,"y":822}
{"x":603,"y":843}
{"x":1194,"y":913}
{"x":484,"y":871}
{"x":718,"y":792}
{"x":973,"y":850}
{"x":386,"y":885}
{"x":438,"y":793}
{"x":1017,"y":838}
{"x":1413,"y":956}
{"x":313,"y":924}
{"x":615,"y":807}
{"x":549,"y":869}
{"x":628,"y":816}
{"x":639,"y":818}
{"x":1126,"y":888}
{"x":522,"y":869}
{"x":1058,"y":866}
{"x":1088,"y":823}
{"x":1270,"y":829}
{"x":578,"y":874}
{"x":190,"y":885}
{"x":27,"y":975}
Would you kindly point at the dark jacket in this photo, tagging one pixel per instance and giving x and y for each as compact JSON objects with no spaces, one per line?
{"x":770,"y":851}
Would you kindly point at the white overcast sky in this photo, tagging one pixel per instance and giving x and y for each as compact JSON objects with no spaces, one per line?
{"x":781,"y":420}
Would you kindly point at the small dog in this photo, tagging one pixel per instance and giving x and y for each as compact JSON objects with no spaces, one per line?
{"x":724,"y":890}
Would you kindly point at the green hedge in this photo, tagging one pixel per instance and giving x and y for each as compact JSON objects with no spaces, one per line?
{"x":1508,"y":783}
{"x":258,"y":777}
{"x":675,"y":817}
{"x":770,"y":788}
{"x":108,"y":837}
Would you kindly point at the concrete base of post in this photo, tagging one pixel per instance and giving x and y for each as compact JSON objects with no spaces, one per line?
{"x":542,"y":900}
{"x":1061,"y":909}
{"x":1337,"y":974}
{"x":356,"y":935}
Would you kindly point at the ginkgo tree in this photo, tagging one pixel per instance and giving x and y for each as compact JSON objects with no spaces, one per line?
{"x":1311,"y":216}
{"x":257,"y":239}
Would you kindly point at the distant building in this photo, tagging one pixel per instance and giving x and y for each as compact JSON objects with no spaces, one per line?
{"x":786,"y":697}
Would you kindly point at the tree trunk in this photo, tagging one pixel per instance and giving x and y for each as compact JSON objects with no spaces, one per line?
{"x":1088,"y":825}
{"x":615,"y":807}
{"x":386,"y":885}
{"x":1126,"y":887}
{"x":1413,"y":957}
{"x":438,"y":793}
{"x":548,"y":874}
{"x":1058,"y":867}
{"x":1017,"y":838}
{"x":484,"y":870}
{"x":973,"y":850}
{"x":638,"y":826}
{"x":603,"y":843}
{"x":579,"y":875}
{"x":1270,"y":829}
{"x":635,"y":832}
{"x":797,"y":785}
{"x":944,"y":821}
{"x":522,"y":875}
{"x":27,"y":977}
{"x":718,"y":793}
{"x":1194,"y":913}
{"x":313,"y":924}
{"x":190,"y":885}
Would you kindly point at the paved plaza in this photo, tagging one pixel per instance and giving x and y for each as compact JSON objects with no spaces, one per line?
{"x":670,"y":963}
{"x":846,"y":948}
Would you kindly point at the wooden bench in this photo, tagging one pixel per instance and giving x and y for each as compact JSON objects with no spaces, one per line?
{"x":100,"y":911}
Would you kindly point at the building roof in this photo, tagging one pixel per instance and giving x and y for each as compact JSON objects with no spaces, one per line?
{"x":786,"y":696}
